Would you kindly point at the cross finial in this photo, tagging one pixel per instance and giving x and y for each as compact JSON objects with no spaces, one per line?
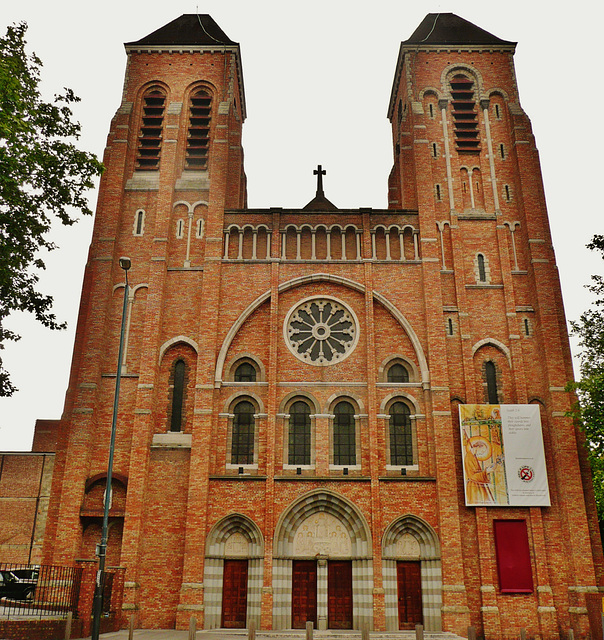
{"x":319,"y":172}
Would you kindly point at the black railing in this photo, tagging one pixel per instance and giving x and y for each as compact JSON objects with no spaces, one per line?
{"x":34,"y":591}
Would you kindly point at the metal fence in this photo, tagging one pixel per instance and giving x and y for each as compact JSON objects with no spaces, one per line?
{"x":36,"y":591}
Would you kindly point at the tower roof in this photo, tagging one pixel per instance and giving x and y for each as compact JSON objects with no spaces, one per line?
{"x":443,"y":31}
{"x":447,"y":28}
{"x":192,"y":32}
{"x":189,"y":29}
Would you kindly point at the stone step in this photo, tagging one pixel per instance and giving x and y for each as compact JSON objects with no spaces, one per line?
{"x":330,"y":634}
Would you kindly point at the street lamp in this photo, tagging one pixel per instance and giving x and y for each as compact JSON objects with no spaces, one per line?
{"x":97,"y":606}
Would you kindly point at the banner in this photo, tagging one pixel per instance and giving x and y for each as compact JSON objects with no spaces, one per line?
{"x":503,"y":456}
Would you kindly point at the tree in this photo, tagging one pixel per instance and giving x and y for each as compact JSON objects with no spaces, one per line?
{"x":589,"y":410}
{"x":43,"y":176}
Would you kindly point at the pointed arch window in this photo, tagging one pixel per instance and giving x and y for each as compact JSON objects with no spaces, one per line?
{"x":150,"y":136}
{"x":299,"y":441}
{"x":491,"y":378}
{"x":465,"y":117}
{"x":401,"y":435}
{"x":344,"y":435}
{"x":178,"y":396}
{"x":198,"y":134}
{"x":243,"y":434}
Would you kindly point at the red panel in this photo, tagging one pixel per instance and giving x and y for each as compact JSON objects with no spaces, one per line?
{"x":513,"y":556}
{"x":409,"y":594}
{"x":339,"y":594}
{"x":234,"y":594}
{"x":304,"y":593}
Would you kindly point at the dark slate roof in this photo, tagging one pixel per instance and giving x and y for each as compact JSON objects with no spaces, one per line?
{"x":189,"y":29}
{"x":320,"y":203}
{"x":447,"y":28}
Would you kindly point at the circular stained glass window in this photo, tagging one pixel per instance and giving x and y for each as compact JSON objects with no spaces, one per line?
{"x":321,"y":331}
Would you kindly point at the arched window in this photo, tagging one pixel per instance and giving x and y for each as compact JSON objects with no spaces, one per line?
{"x":139,"y":223}
{"x":150,"y":136}
{"x":299,"y":441}
{"x":178,"y":396}
{"x":398,"y":373}
{"x":245,"y":372}
{"x":242,"y":442}
{"x":491,"y":377}
{"x":465,"y":119}
{"x":198,"y":138}
{"x":482,"y":272}
{"x":401,"y":436}
{"x":344,"y":435}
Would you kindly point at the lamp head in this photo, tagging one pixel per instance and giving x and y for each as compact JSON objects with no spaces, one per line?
{"x":125,"y":263}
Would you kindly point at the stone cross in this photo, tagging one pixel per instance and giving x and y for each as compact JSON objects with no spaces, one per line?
{"x":319,"y":172}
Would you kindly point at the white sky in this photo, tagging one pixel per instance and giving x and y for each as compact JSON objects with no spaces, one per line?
{"x":317,"y":78}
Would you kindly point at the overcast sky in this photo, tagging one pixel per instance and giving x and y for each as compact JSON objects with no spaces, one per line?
{"x":318,"y":76}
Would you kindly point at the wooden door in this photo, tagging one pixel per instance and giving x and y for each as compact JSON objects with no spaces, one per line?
{"x":409,"y":594}
{"x":339,"y":594}
{"x":304,"y":593}
{"x":234,"y":594}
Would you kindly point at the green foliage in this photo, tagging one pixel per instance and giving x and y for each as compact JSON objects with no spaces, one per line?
{"x":43,"y":176}
{"x":589,"y":410}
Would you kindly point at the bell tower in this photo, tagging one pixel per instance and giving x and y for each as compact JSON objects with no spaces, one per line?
{"x":174,"y":163}
{"x":465,"y":157}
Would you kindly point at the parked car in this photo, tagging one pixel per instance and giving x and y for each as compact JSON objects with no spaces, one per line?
{"x":18,"y":584}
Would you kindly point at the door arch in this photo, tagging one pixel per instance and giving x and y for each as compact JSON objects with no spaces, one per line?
{"x":322,"y":526}
{"x":235,"y":553}
{"x":412,"y":540}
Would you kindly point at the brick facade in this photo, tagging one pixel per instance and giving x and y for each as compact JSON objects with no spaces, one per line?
{"x":459,"y":271}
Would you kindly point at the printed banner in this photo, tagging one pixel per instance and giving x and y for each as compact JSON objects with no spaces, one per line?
{"x":503,"y":456}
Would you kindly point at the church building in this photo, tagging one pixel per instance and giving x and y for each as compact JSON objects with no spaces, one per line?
{"x":289,"y":445}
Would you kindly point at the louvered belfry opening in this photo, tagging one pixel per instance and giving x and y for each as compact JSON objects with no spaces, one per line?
{"x":198,"y":139}
{"x":465,"y":119}
{"x":149,"y":141}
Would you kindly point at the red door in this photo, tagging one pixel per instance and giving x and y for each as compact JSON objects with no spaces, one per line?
{"x":339,"y":594}
{"x":234,"y":594}
{"x":304,"y":593}
{"x":409,"y":594}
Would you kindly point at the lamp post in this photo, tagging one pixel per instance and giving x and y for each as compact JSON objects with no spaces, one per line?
{"x":97,"y":606}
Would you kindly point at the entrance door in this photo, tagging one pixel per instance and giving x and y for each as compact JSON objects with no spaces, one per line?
{"x":304,"y":593}
{"x":234,"y":594}
{"x":409,"y":594}
{"x":339,"y":594}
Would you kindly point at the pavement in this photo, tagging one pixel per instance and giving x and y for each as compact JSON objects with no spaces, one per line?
{"x":288,"y":634}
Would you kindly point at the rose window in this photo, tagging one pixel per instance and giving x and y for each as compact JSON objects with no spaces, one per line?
{"x":321,"y":331}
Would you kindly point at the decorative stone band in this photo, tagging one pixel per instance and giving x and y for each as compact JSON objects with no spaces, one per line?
{"x":192,"y":585}
{"x":577,"y":610}
{"x":190,"y":607}
{"x":454,"y":587}
{"x":546,"y":609}
{"x":455,"y":609}
{"x":489,"y":609}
